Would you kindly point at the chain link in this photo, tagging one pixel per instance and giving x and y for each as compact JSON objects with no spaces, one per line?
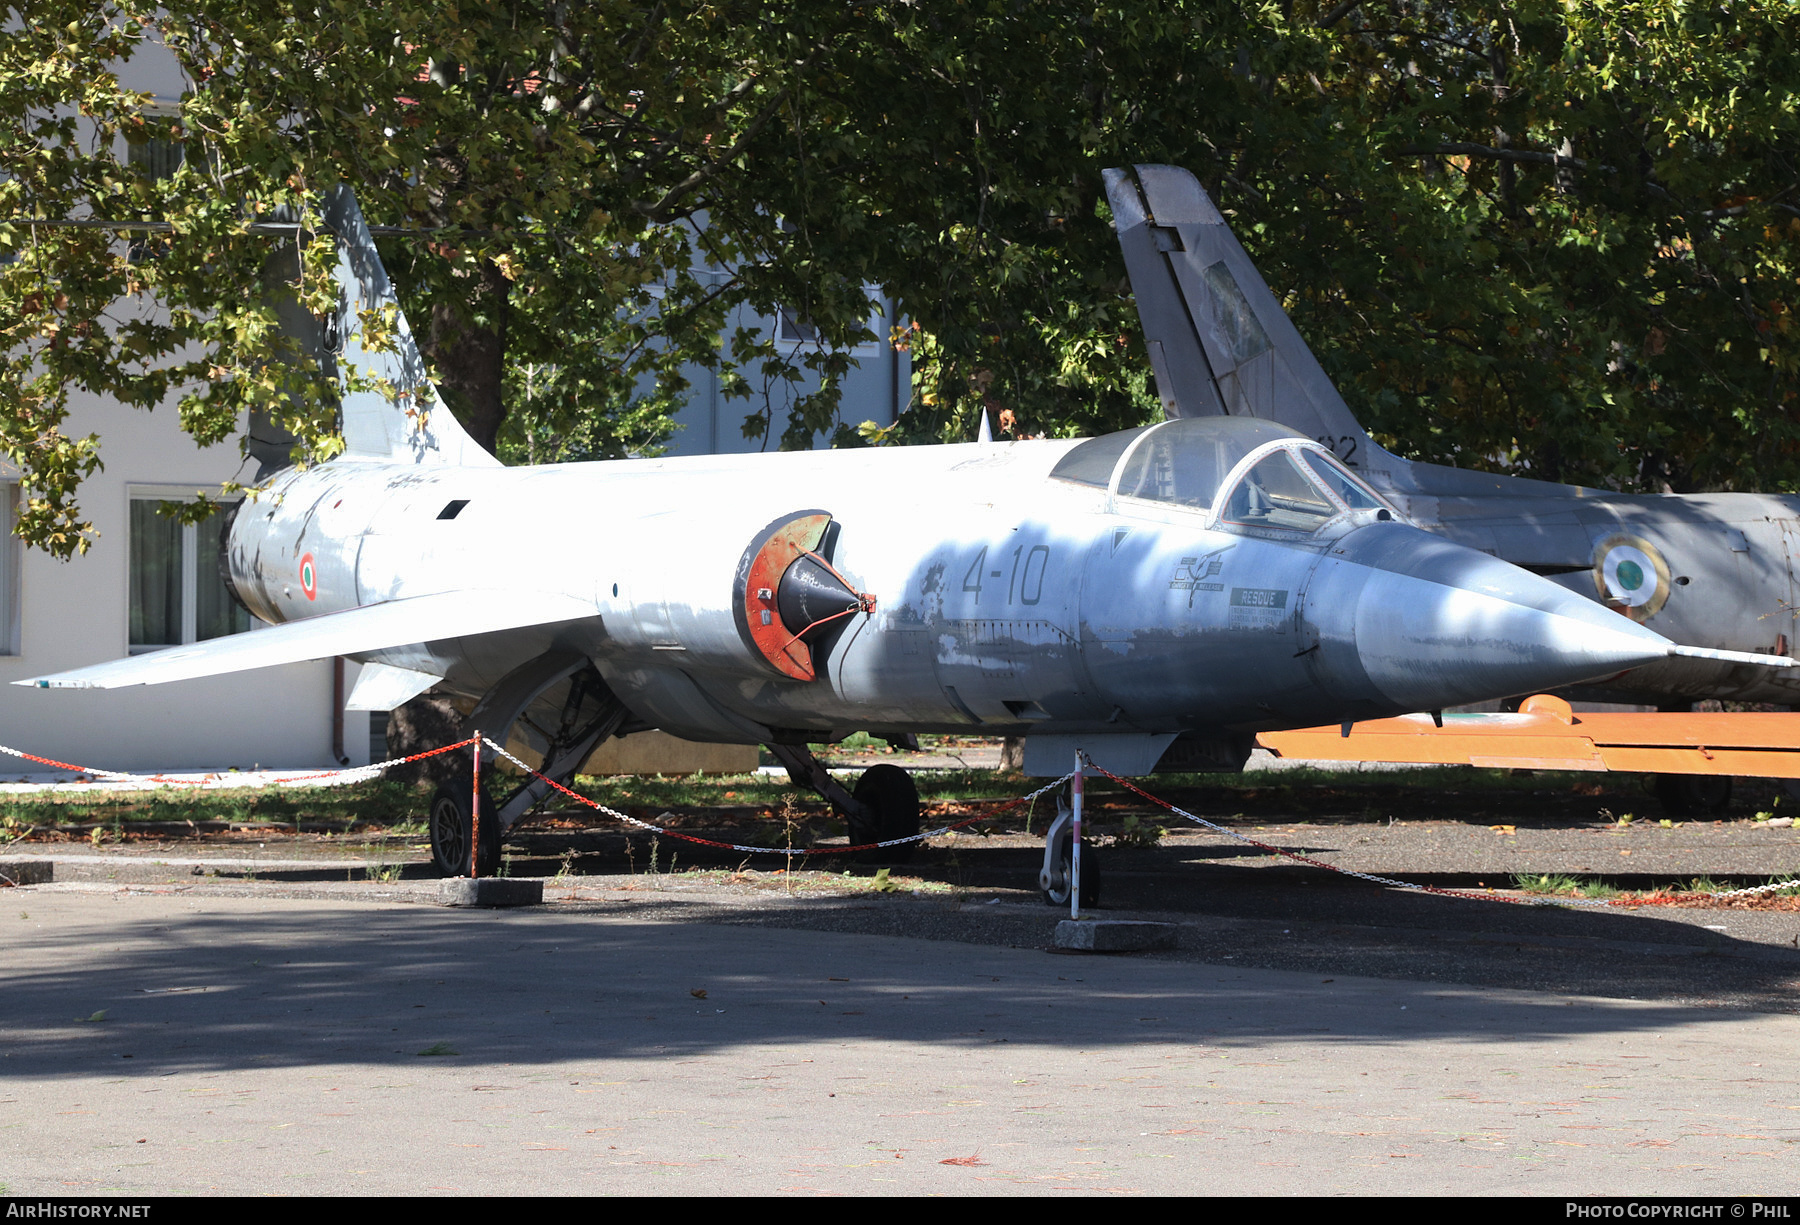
{"x":790,"y":852}
{"x":1772,"y":887}
{"x":358,"y":773}
{"x":352,"y":774}
{"x":1467,"y":894}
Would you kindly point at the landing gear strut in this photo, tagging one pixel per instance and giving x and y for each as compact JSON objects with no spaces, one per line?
{"x":564,"y":710}
{"x":884,"y":806}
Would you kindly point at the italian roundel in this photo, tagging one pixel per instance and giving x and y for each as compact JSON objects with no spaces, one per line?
{"x":1631,"y":576}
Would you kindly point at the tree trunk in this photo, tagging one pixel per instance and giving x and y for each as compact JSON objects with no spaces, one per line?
{"x":466,"y":342}
{"x":427,"y":722}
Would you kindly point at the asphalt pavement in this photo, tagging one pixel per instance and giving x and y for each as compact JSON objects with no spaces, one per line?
{"x":663,"y":1035}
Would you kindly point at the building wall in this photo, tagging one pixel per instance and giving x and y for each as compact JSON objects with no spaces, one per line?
{"x":78,"y":612}
{"x":876,"y":389}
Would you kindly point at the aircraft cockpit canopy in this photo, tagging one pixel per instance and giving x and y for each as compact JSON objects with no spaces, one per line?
{"x":1184,"y":462}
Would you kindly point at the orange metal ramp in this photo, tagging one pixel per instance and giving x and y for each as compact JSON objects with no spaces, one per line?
{"x":1547,"y":735}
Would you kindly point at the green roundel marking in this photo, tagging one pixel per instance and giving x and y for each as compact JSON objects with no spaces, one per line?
{"x":1631,"y":575}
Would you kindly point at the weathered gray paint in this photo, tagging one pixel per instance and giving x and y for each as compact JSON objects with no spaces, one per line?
{"x":1736,"y":552}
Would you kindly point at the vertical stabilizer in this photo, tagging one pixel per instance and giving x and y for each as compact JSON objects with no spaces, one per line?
{"x":404,"y":420}
{"x":1219,"y":342}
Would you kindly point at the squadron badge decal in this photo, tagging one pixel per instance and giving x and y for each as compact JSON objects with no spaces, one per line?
{"x":1631,"y":576}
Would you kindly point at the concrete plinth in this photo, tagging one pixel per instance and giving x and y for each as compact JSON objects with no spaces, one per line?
{"x":490,"y":891}
{"x":28,"y":871}
{"x":1113,"y":935}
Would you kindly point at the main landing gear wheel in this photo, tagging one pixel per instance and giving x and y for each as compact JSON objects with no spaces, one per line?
{"x":450,"y":832}
{"x":1693,"y":795}
{"x":893,"y":802}
{"x":1057,"y":893}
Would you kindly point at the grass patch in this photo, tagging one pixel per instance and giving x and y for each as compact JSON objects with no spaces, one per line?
{"x":1547,"y":884}
{"x":1561,"y":884}
{"x":376,"y":802}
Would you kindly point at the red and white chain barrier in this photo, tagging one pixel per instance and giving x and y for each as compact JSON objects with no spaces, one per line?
{"x":352,"y":774}
{"x":1468,"y":894}
{"x":360,"y":773}
{"x":777,"y":850}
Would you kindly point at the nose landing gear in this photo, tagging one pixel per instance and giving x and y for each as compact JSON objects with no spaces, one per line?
{"x":1059,"y":857}
{"x":884,"y":806}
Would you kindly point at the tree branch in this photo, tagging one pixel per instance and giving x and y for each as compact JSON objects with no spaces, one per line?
{"x":1498,"y":155}
{"x":662,"y":210}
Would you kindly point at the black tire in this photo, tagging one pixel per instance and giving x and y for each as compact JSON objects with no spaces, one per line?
{"x":1090,"y":874}
{"x":893,"y":800}
{"x":1693,"y":795}
{"x":448,"y":823}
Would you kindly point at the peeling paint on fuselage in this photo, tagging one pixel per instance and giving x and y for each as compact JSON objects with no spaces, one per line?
{"x":1004,"y":599}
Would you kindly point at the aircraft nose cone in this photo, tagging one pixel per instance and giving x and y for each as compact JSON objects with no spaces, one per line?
{"x":1437,"y":624}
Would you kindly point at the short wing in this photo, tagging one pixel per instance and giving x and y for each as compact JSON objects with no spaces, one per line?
{"x":378,"y":627}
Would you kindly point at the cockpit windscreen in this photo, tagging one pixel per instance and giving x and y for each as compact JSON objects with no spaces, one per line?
{"x":1181,"y":461}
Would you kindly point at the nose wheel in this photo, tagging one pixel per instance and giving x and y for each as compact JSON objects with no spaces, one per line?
{"x":1059,"y":862}
{"x":891,"y":800}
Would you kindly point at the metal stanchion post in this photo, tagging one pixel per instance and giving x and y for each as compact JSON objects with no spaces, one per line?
{"x":1075,"y":854}
{"x":475,"y":808}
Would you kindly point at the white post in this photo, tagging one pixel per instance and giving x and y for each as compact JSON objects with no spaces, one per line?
{"x":1075,"y":855}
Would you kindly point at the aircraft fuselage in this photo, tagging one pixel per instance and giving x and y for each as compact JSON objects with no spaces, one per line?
{"x":998,"y":598}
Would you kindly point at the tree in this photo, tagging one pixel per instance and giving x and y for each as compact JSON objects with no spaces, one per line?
{"x":1545,"y":238}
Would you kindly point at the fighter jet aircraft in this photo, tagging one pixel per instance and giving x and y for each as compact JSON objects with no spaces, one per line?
{"x":1161,"y":593}
{"x":1716,"y":570}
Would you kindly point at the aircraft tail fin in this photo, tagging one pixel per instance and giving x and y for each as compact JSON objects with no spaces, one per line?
{"x":1219,"y":342}
{"x":404,"y":419}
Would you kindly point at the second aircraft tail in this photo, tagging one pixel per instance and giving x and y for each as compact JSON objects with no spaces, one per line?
{"x":1219,"y":342}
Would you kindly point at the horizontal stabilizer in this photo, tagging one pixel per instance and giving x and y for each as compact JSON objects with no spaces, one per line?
{"x":383,"y":687}
{"x":356,"y":631}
